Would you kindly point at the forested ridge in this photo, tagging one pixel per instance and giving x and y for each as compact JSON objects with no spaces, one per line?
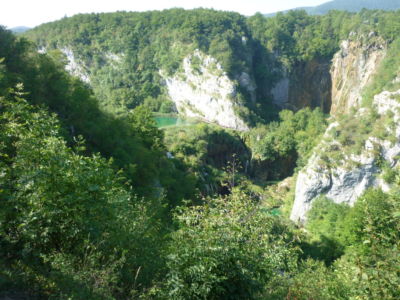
{"x":98,"y":203}
{"x":123,"y":53}
{"x":146,"y":42}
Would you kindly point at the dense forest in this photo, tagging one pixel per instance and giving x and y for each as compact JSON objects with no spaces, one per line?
{"x":146,"y":43}
{"x":123,"y":53}
{"x":98,"y":203}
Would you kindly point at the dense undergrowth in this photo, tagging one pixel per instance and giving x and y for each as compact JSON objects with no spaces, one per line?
{"x":93,"y":206}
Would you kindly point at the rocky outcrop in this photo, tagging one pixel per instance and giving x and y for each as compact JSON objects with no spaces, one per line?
{"x":74,"y":67}
{"x":200,"y":88}
{"x":79,"y":68}
{"x":333,"y":85}
{"x":280,"y":92}
{"x":203,"y":90}
{"x":353,"y":68}
{"x":345,"y":181}
{"x":308,"y":85}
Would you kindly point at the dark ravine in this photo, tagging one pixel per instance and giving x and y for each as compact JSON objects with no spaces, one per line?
{"x":308,"y":85}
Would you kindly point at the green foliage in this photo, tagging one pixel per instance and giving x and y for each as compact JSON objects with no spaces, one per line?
{"x":124,"y":51}
{"x":167,"y":107}
{"x":372,"y":213}
{"x":325,"y":216}
{"x":324,"y":223}
{"x":297,"y":37}
{"x":207,"y":143}
{"x":207,"y":150}
{"x":159,"y":105}
{"x":297,"y":131}
{"x":225,"y":249}
{"x":353,"y":226}
{"x":371,"y":266}
{"x":71,"y":224}
{"x":131,"y":139}
{"x":384,"y":79}
{"x":85,"y":218}
{"x":311,"y":280}
{"x":290,"y":140}
{"x":389,"y":174}
{"x":368,"y":235}
{"x":68,"y":222}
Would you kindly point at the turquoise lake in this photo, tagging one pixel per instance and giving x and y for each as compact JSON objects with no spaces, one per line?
{"x":162,"y":122}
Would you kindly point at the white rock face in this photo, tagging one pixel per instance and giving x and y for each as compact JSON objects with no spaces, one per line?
{"x":345,"y":184}
{"x":79,"y":69}
{"x":352,"y":69}
{"x":280,"y":92}
{"x":73,"y":67}
{"x":42,"y":50}
{"x":203,"y":90}
{"x":245,"y":81}
{"x":337,"y":87}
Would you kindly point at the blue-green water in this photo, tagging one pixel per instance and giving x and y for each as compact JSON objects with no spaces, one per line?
{"x":163,"y":122}
{"x":275,"y":212}
{"x":272,"y":211}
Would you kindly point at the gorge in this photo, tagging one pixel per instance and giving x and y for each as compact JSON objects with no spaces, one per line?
{"x":201,"y":154}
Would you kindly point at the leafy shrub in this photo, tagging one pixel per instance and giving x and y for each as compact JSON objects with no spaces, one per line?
{"x":225,"y":249}
{"x":280,"y":146}
{"x":68,"y":221}
{"x":167,"y":107}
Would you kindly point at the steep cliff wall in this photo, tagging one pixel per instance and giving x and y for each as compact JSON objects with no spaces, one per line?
{"x":352,"y":69}
{"x":74,"y":67}
{"x":335,"y":85}
{"x":79,"y":68}
{"x":202,"y":89}
{"x":308,"y":85}
{"x":311,"y":85}
{"x":351,"y":156}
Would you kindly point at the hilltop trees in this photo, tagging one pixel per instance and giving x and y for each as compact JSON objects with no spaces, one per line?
{"x":69,"y":224}
{"x":93,"y":208}
{"x":124,"y":52}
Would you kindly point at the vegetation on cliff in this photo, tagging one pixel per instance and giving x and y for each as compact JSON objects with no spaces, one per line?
{"x":103,"y":206}
{"x":142,"y":45}
{"x":122,"y":53}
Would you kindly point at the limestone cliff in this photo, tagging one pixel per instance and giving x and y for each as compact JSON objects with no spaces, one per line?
{"x":74,"y":66}
{"x":311,"y":85}
{"x":334,"y":85}
{"x":307,"y":85}
{"x":341,"y":171}
{"x":202,"y":89}
{"x":81,"y":69}
{"x":353,"y":68}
